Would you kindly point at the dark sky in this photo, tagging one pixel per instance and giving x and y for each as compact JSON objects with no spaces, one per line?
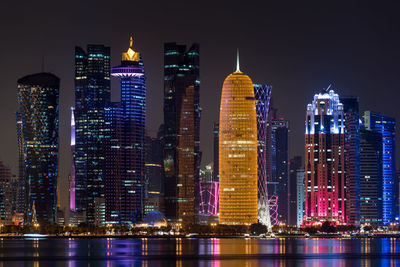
{"x":297,"y":47}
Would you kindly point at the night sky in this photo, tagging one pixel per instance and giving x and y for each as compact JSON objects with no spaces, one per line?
{"x":299,"y":48}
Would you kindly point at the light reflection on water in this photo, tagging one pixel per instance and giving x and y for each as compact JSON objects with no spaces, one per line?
{"x":215,"y":252}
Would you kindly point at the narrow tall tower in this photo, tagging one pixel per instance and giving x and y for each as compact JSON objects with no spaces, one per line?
{"x":238,"y":151}
{"x":262,"y":95}
{"x":125,"y":163}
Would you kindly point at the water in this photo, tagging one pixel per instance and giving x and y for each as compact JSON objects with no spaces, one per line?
{"x":199,"y":252}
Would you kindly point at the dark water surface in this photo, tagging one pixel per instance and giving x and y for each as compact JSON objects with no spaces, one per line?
{"x":199,"y":252}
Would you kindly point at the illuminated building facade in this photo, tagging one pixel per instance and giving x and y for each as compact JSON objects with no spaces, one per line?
{"x":300,"y":196}
{"x":21,"y":190}
{"x":125,"y":141}
{"x":154,"y":174}
{"x":6,"y":196}
{"x":324,"y":160}
{"x":92,"y":93}
{"x":294,"y":165}
{"x":280,"y":166}
{"x":38,"y":99}
{"x":182,"y":154}
{"x":262,"y":95}
{"x":386,"y":126}
{"x":238,"y":176}
{"x":72,"y":186}
{"x":352,"y":158}
{"x":371,"y":199}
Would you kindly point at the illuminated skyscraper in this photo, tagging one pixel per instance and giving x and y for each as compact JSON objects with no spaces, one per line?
{"x":154,"y":174}
{"x":371,"y":177}
{"x":294,"y":165}
{"x":300,"y":197}
{"x":238,"y":174}
{"x":324,"y":160}
{"x":280,"y":165}
{"x":38,"y":96}
{"x":262,"y":95}
{"x":6,"y":196}
{"x":181,"y":132}
{"x":352,"y":160}
{"x":386,"y":126}
{"x":125,"y":141}
{"x":72,"y":171}
{"x":92,"y":93}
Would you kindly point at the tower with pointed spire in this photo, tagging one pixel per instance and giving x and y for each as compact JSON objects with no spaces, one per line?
{"x":238,"y":151}
{"x":124,"y":142}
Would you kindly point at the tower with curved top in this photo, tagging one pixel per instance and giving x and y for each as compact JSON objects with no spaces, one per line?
{"x":238,"y":151}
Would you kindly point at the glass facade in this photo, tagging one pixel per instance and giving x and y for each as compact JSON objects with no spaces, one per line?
{"x":324,"y":160}
{"x":294,"y":165}
{"x":182,"y":154}
{"x":386,"y":126}
{"x":92,"y":93}
{"x":238,"y":176}
{"x":125,"y":151}
{"x":38,"y":105}
{"x":352,"y":158}
{"x":371,"y":199}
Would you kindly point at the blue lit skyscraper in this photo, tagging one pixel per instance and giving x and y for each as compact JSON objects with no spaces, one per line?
{"x":371,"y":177}
{"x":92,"y":93}
{"x":386,"y":126}
{"x":125,"y":162}
{"x":37,"y":114}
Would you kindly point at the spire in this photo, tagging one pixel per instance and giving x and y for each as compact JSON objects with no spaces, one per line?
{"x":131,"y":42}
{"x":237,"y":61}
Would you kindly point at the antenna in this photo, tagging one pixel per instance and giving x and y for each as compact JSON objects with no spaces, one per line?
{"x":237,"y":61}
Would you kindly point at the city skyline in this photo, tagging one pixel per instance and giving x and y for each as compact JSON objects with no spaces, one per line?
{"x":280,"y":65}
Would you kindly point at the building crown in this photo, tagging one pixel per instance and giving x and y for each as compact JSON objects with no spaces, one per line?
{"x":130,"y":55}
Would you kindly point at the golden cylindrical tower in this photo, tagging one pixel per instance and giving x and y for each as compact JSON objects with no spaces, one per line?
{"x":237,"y":151}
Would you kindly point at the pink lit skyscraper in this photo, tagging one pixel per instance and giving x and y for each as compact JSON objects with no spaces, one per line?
{"x":324,"y":160}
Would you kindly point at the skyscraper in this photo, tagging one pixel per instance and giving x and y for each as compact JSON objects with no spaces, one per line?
{"x":38,"y":96}
{"x":125,"y":151}
{"x":92,"y":93}
{"x":352,"y":158}
{"x":294,"y":165}
{"x":72,"y":185}
{"x":280,"y":165}
{"x":371,"y":195}
{"x":300,"y":196}
{"x":181,"y":132}
{"x":386,"y":126}
{"x":154,"y":174}
{"x":238,"y":174}
{"x":324,"y":160}
{"x":262,"y":95}
{"x":6,"y":196}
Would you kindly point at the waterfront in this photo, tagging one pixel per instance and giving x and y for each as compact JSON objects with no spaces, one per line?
{"x":199,"y":252}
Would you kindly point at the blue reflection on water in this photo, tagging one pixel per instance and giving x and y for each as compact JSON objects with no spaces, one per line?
{"x":199,"y":252}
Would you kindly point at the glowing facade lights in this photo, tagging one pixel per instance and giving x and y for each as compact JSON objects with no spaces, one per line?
{"x":40,"y":144}
{"x":324,"y":160}
{"x":238,"y":136}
